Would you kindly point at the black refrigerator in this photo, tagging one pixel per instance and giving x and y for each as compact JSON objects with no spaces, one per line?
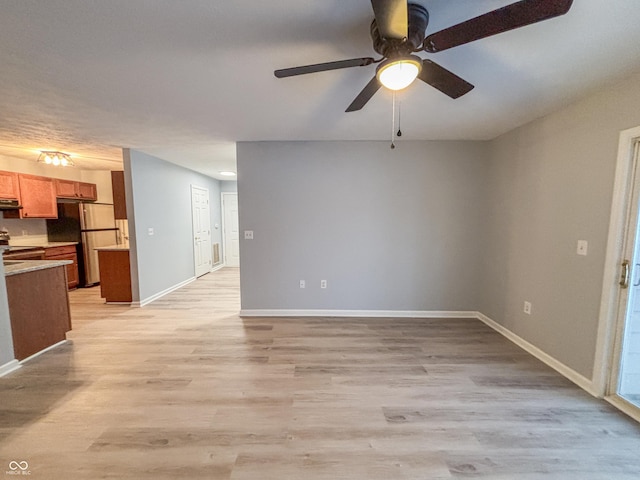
{"x":92,"y":225}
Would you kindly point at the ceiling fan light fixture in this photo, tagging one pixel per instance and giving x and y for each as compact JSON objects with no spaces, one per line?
{"x":399,"y":73}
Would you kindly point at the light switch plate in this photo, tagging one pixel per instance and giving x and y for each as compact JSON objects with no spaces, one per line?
{"x":582,"y":247}
{"x":248,"y":234}
{"x":150,"y":231}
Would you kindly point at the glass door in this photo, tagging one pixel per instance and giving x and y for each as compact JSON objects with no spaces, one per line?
{"x":626,"y":383}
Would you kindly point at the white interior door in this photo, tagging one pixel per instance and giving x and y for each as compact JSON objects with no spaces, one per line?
{"x":201,"y":230}
{"x":231,"y":232}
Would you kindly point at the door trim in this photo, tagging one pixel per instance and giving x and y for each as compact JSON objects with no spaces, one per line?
{"x":620,"y":205}
{"x":222,"y":216}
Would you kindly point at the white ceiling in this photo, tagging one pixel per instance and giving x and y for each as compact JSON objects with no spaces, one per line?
{"x":184,"y":80}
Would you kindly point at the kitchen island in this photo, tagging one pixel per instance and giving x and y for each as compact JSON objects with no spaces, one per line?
{"x":115,"y":273}
{"x":38,"y":304}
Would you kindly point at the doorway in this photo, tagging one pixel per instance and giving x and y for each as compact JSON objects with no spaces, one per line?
{"x":200,"y":211}
{"x":231,"y":229}
{"x":618,"y":360}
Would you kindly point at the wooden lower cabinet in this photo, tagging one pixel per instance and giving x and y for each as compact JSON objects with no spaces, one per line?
{"x":39,"y":310}
{"x":67,"y":252}
{"x":115,"y":276}
{"x":34,"y":253}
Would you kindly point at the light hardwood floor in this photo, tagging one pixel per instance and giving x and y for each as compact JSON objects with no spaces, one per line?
{"x":184,"y":388}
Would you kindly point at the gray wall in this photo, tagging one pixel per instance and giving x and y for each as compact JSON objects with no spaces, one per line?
{"x":226,"y":186}
{"x":388,"y":229}
{"x":159,"y":197}
{"x":550,"y":185}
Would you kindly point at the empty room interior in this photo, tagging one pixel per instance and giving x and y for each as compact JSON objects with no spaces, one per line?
{"x":307,"y":269}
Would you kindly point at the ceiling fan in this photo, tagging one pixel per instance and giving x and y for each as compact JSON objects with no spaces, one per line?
{"x":398,"y":32}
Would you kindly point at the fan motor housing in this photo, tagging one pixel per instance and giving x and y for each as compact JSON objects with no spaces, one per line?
{"x":418,"y":19}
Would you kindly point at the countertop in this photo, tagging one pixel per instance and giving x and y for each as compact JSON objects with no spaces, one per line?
{"x":14,"y":267}
{"x":114,"y":248}
{"x":17,"y":248}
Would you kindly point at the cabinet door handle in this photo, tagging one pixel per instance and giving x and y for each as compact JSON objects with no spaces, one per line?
{"x":624,"y":274}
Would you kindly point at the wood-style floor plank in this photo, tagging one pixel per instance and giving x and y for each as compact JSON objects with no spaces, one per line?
{"x":185,"y":388}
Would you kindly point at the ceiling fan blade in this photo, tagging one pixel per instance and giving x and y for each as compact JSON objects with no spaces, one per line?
{"x":365,"y":95}
{"x":516,"y":15}
{"x":447,"y":82}
{"x":322,"y":67}
{"x":391,"y":18}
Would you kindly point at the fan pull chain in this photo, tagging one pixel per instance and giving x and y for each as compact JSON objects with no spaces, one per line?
{"x":399,"y":134}
{"x":393,"y":119}
{"x":395,"y":107}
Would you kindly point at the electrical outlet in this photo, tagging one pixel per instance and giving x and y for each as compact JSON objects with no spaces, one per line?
{"x":527,"y":308}
{"x":303,"y":284}
{"x":582,"y":247}
{"x":248,"y":234}
{"x":323,"y":284}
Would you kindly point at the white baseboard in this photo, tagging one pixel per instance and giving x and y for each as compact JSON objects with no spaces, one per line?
{"x":358,"y":313}
{"x":15,"y":364}
{"x":561,"y":368}
{"x":9,"y":367}
{"x":152,"y":298}
{"x":217,"y":267}
{"x":44,"y":350}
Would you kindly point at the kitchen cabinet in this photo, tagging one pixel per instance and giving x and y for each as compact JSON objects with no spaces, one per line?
{"x":66,"y":252}
{"x":88,"y":191}
{"x":39,"y":309}
{"x":37,"y":197}
{"x":23,"y":253}
{"x":65,"y":188}
{"x":119,"y":198}
{"x":9,"y":187}
{"x":115,"y":274}
{"x":70,"y":189}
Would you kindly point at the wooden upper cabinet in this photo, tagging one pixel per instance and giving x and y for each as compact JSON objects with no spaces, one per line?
{"x":38,"y":196}
{"x":9,"y":186}
{"x":88,"y":191}
{"x":119,"y":199}
{"x":66,"y":188}
{"x":76,"y":190}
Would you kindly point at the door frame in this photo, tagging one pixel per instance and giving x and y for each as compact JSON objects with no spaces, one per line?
{"x":222,"y":216}
{"x":605,"y":368}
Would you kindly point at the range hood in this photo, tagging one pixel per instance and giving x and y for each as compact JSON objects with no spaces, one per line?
{"x":9,"y":204}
